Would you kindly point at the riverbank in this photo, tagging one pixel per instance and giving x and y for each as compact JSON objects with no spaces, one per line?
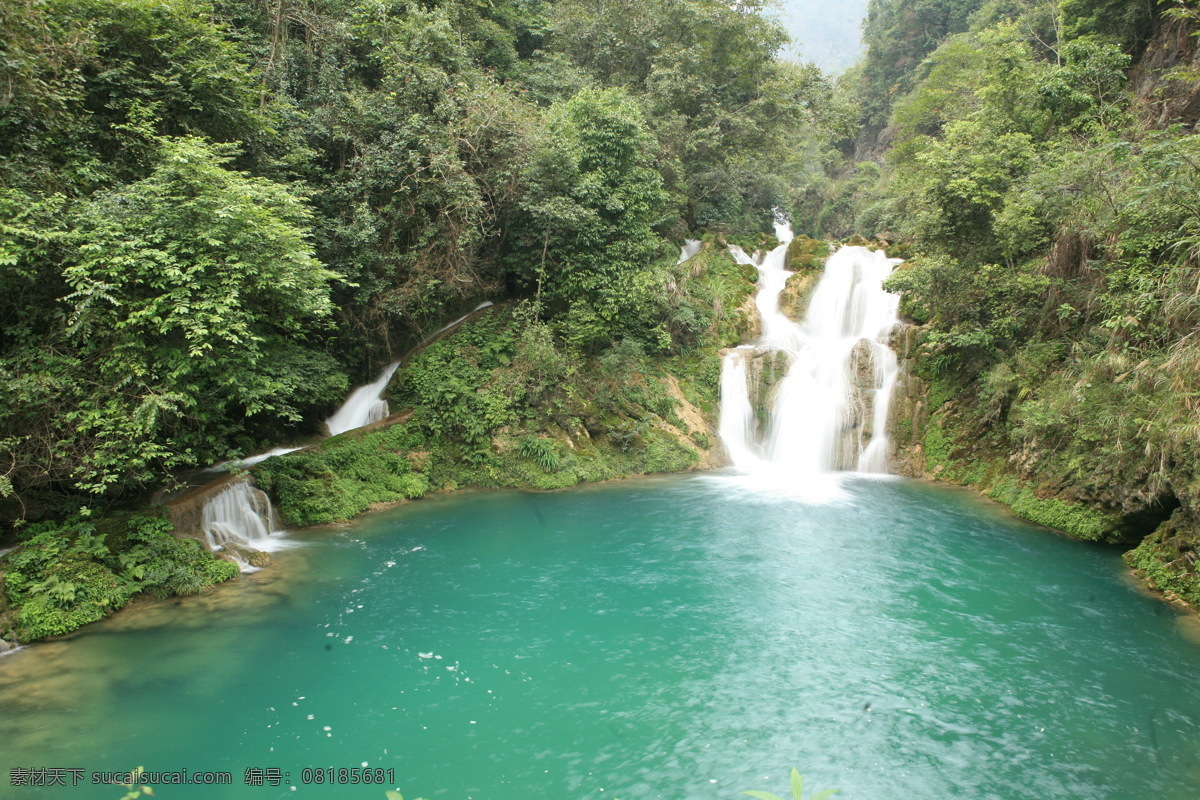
{"x":945,"y":430}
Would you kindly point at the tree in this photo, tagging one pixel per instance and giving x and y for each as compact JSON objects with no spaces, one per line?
{"x":586,"y":233}
{"x":193,"y":291}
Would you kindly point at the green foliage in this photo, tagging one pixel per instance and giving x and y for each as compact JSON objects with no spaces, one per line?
{"x":1077,"y":519}
{"x":542,"y":451}
{"x":91,"y":82}
{"x":64,"y":576}
{"x":978,"y":309}
{"x":201,"y":273}
{"x":1128,"y":22}
{"x":898,"y":34}
{"x":345,"y":476}
{"x":730,"y":117}
{"x":594,"y":193}
{"x":191,"y":291}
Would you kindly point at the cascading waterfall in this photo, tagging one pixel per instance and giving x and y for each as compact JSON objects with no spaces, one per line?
{"x":830,"y":410}
{"x":365,"y":404}
{"x":241,"y":515}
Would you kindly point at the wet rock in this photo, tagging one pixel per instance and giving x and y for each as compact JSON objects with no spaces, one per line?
{"x":247,"y":555}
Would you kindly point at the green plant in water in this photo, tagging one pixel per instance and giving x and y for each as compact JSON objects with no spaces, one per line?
{"x":797,"y":790}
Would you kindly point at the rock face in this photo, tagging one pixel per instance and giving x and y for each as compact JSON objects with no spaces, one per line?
{"x":186,"y":513}
{"x":909,"y":414}
{"x":764,"y":370}
{"x":1166,"y":99}
{"x":797,"y":292}
{"x":698,"y":433}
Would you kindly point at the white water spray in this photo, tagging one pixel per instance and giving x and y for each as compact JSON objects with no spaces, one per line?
{"x":240,"y":514}
{"x":830,"y":411}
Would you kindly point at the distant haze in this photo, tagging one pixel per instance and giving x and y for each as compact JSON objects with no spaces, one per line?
{"x":826,"y":32}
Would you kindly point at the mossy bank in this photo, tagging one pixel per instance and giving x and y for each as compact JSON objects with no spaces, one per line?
{"x":65,"y":575}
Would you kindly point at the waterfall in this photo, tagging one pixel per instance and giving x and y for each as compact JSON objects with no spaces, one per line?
{"x":689,"y":249}
{"x":365,"y":404}
{"x":449,"y":325}
{"x":737,"y":415}
{"x":830,"y":410}
{"x":240,"y":515}
{"x":248,"y":461}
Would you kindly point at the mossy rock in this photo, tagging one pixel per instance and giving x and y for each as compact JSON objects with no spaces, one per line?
{"x":1167,"y":559}
{"x":805,"y":253}
{"x":255,"y":558}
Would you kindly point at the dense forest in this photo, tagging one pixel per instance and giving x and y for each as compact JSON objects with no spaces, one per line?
{"x":218,"y":216}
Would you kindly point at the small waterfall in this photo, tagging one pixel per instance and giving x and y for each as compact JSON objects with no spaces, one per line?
{"x":249,"y":461}
{"x":365,"y":405}
{"x":240,"y":515}
{"x":737,"y":415}
{"x":689,"y":249}
{"x":830,"y":410}
{"x":449,"y":325}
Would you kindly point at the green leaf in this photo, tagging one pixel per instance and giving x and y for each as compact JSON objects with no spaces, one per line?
{"x":393,"y":795}
{"x":825,"y":794}
{"x":797,"y":784}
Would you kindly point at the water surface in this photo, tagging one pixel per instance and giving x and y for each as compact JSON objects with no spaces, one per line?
{"x":682,"y":637}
